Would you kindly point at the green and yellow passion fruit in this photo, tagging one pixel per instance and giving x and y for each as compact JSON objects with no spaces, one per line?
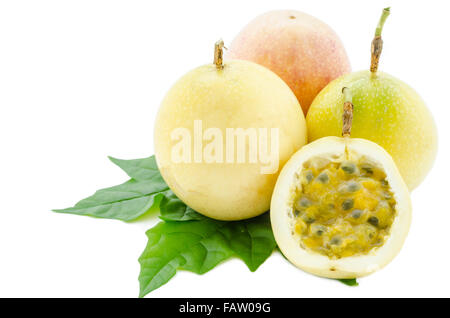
{"x":387,"y":111}
{"x":340,"y":207}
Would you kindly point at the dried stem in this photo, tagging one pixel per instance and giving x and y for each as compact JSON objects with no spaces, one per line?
{"x":347,"y":116}
{"x":218,"y":54}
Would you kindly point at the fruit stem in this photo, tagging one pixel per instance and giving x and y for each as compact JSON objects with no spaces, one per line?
{"x":384,"y":15}
{"x":377,"y":42}
{"x":218,"y":54}
{"x":347,"y":116}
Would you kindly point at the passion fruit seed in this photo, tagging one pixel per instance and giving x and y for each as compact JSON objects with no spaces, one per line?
{"x":318,"y":229}
{"x":303,"y":203}
{"x":373,"y":220}
{"x":348,"y":167}
{"x":309,"y":176}
{"x":367,"y":169}
{"x":308,"y":219}
{"x":353,"y":186}
{"x":323,"y":177}
{"x":356,"y":213}
{"x":348,"y":204}
{"x":335,"y":241}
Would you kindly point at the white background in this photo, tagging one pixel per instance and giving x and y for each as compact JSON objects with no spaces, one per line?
{"x":80,"y":80}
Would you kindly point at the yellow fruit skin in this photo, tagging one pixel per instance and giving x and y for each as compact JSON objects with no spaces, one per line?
{"x":241,"y":95}
{"x":386,"y":111}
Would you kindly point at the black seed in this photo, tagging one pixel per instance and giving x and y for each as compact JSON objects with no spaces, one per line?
{"x":367,"y":169}
{"x":296,"y":212}
{"x":309,"y":220}
{"x":353,"y":186}
{"x":356,"y":213}
{"x":318,"y":229}
{"x":348,"y":167}
{"x":373,"y":220}
{"x":347,"y":204}
{"x":304,"y":202}
{"x":384,"y":183}
{"x":309,"y":176}
{"x":323,"y":177}
{"x":335,"y":241}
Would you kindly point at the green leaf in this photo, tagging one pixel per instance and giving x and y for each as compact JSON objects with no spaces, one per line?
{"x":252,"y":240}
{"x":138,"y":169}
{"x":198,"y":246}
{"x":134,"y":198}
{"x":349,"y":282}
{"x":173,"y":209}
{"x":125,"y":202}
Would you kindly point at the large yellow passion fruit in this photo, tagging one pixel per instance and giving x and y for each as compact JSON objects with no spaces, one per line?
{"x":222,"y":134}
{"x":340,"y":208}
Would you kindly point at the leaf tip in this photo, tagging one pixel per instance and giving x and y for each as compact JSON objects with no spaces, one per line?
{"x":352,"y":282}
{"x":112,"y":159}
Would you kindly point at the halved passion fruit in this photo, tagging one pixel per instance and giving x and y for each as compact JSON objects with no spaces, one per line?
{"x":340,"y":208}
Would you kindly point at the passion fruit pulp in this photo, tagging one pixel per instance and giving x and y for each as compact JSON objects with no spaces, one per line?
{"x":340,"y":208}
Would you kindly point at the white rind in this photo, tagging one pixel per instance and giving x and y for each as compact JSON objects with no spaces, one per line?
{"x":347,"y":267}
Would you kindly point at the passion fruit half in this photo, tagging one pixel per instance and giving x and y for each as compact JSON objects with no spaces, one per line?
{"x":340,"y":208}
